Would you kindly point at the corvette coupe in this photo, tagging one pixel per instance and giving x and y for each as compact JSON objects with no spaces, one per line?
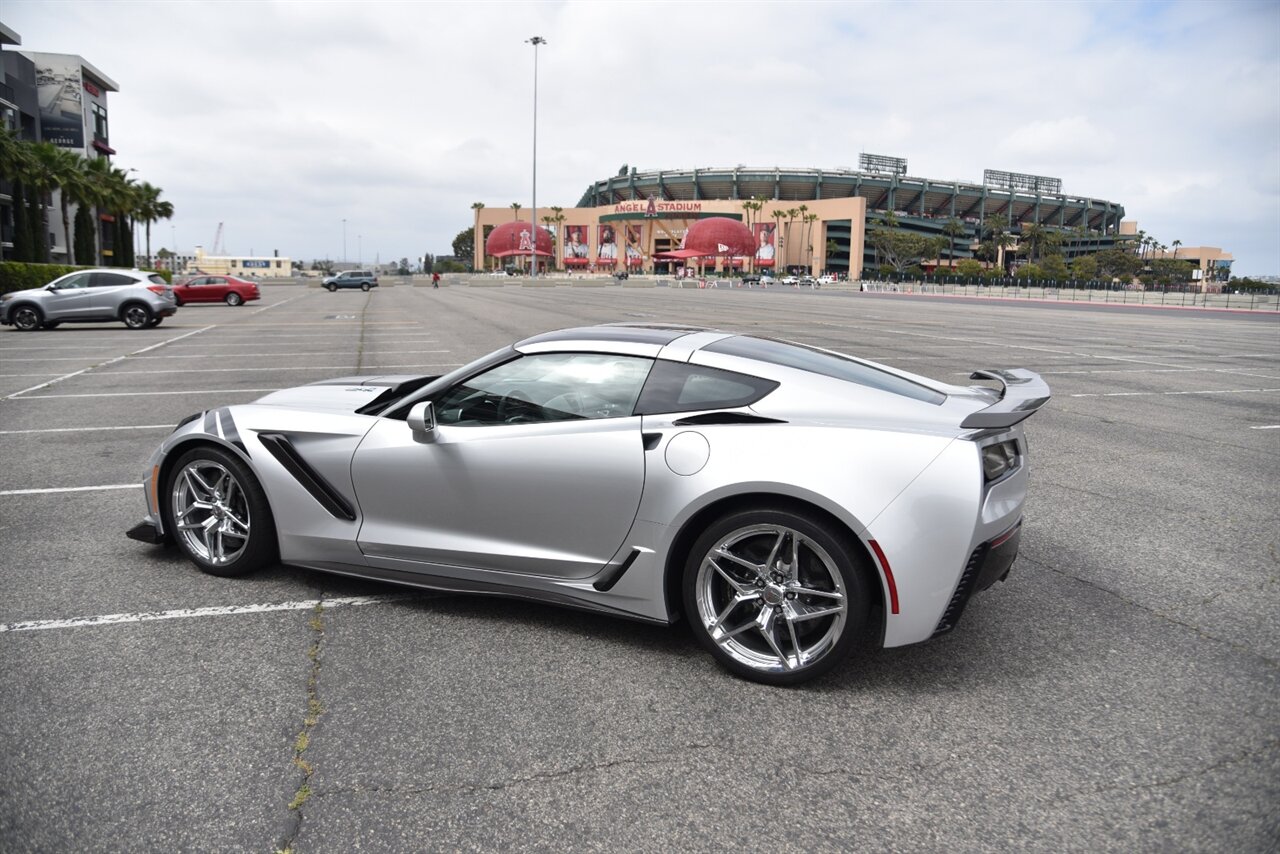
{"x":789,"y":502}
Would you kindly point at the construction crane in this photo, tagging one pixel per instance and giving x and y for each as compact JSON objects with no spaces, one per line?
{"x":218,"y":249}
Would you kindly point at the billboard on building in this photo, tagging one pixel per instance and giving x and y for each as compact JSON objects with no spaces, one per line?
{"x":576,"y":251}
{"x":766,"y":243}
{"x":60,"y":93}
{"x":635,"y":252}
{"x":607,"y":246}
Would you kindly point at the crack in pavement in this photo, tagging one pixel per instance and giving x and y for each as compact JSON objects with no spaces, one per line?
{"x":497,"y":786}
{"x":1161,"y":614}
{"x":1233,"y":759}
{"x":315,"y":710}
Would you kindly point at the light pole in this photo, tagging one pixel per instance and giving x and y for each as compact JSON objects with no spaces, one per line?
{"x":359,"y":248}
{"x":533,"y":217}
{"x":344,"y":241}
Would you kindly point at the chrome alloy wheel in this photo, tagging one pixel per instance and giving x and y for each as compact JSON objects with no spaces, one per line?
{"x":771,"y":598}
{"x":210,"y":512}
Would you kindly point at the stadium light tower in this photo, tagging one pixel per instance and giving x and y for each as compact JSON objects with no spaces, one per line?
{"x":533,"y":214}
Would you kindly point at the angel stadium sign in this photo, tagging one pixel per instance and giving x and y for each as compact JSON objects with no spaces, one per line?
{"x":653,"y":207}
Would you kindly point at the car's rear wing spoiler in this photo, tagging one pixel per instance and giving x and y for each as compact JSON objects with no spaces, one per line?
{"x":1023,"y":392}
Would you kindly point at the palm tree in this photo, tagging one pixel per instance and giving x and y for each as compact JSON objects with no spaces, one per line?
{"x":1175,"y":246}
{"x":832,"y":249}
{"x":792,"y":213}
{"x":997,"y":225}
{"x":953,"y":229}
{"x":66,"y":169}
{"x":809,"y":220}
{"x":45,"y":161}
{"x":151,"y":210}
{"x":515,"y":210}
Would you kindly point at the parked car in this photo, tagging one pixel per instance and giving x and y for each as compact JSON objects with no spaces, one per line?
{"x":827,"y":280}
{"x":791,"y":503}
{"x":226,"y":289}
{"x":136,"y":298}
{"x":751,"y":279}
{"x":790,"y":280}
{"x":500,"y":274}
{"x":767,"y":279}
{"x":362,"y":279}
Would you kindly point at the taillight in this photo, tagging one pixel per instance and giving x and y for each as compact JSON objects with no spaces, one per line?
{"x":157,"y":289}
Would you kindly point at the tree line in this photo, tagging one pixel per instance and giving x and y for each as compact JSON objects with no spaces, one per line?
{"x":36,"y":169}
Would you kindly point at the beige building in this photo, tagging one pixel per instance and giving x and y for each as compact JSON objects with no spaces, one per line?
{"x":633,"y":235}
{"x":1212,"y":262}
{"x":240,"y":265}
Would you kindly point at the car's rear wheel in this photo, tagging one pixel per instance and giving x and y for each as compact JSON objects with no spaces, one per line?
{"x":775,"y":597}
{"x":135,"y":315}
{"x":219,"y":514}
{"x":51,"y":324}
{"x":155,"y":321}
{"x":26,"y":318}
{"x":364,"y":286}
{"x":177,"y":300}
{"x":234,"y":298}
{"x":332,"y":287}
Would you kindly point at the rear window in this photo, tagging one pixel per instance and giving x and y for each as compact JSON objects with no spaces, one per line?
{"x":156,"y":279}
{"x":680,"y":387}
{"x":827,"y":364}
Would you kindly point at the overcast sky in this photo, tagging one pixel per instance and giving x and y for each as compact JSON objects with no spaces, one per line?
{"x":282,"y":119}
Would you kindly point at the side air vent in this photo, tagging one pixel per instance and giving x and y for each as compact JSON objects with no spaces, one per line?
{"x":312,"y":481}
{"x":725,"y":418}
{"x":964,"y":590}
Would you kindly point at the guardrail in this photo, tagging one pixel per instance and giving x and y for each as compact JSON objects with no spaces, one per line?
{"x":1244,"y":301}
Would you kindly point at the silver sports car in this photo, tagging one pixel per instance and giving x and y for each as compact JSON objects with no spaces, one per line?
{"x":790,"y":502}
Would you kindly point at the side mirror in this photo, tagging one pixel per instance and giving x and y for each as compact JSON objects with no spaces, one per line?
{"x":422,"y":422}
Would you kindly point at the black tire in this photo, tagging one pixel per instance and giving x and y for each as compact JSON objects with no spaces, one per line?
{"x":51,"y":324}
{"x":234,"y":299}
{"x":246,"y":503}
{"x":332,"y":287}
{"x":829,"y":580}
{"x":135,"y":315}
{"x":26,"y":318}
{"x":364,"y":287}
{"x":177,"y":300}
{"x":155,"y":321}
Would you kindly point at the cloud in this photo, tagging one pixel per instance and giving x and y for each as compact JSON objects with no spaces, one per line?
{"x":283,"y":118}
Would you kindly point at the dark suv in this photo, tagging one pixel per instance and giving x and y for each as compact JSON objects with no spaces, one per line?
{"x":361,"y":279}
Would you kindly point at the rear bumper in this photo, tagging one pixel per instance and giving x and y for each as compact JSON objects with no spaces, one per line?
{"x":989,"y":563}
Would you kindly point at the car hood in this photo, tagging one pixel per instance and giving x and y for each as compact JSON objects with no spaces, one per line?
{"x":342,"y":394}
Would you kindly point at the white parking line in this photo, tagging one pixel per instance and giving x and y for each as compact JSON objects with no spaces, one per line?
{"x":1266,"y":427}
{"x":187,"y":613}
{"x":144,"y":393}
{"x":90,"y":429}
{"x":56,"y":380}
{"x":70,"y":489}
{"x":1151,"y":393}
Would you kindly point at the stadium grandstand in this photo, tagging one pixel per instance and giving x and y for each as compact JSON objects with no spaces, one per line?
{"x":920,"y":205}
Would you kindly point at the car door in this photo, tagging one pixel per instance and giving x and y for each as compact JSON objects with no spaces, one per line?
{"x":215,"y":289}
{"x":536,"y":466}
{"x":68,"y":298}
{"x":106,"y":297}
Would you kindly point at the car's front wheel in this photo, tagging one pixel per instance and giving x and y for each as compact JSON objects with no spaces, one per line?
{"x":775,"y":597}
{"x":332,"y":287}
{"x":135,"y":315}
{"x":26,"y":318}
{"x":218,"y":513}
{"x":234,"y":298}
{"x":364,"y":286}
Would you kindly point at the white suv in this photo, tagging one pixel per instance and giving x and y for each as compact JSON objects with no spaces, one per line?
{"x":136,"y":298}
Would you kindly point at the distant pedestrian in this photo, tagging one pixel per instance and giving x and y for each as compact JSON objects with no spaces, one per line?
{"x":435,"y":280}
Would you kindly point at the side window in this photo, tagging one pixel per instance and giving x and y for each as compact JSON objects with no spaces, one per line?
{"x":109,"y":280}
{"x":679,"y":387}
{"x":547,"y":387}
{"x":78,"y":280}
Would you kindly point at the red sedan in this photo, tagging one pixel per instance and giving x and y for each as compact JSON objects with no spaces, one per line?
{"x":226,"y":289}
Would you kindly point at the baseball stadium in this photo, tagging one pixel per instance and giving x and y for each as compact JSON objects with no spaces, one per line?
{"x":808,"y":220}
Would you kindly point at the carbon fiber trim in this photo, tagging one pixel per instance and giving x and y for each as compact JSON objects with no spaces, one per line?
{"x":964,"y":590}
{"x":279,"y":446}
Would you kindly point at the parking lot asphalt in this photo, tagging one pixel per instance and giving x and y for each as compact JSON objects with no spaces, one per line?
{"x":1118,"y":693}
